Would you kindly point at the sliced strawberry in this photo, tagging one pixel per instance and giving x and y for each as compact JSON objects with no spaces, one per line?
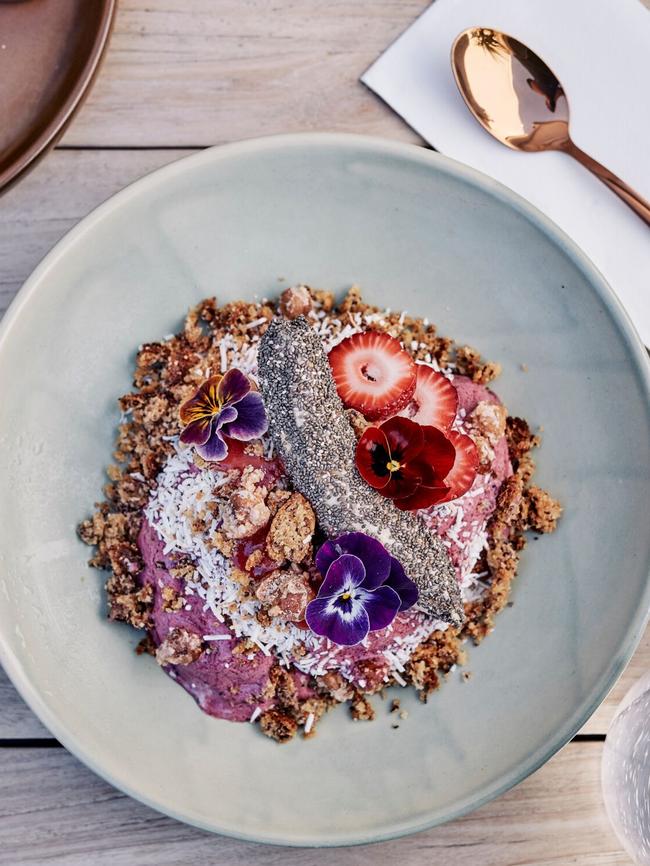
{"x":435,"y":400}
{"x":463,"y":472}
{"x":373,"y":374}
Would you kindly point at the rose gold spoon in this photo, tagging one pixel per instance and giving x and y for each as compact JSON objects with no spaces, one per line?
{"x":517,"y":99}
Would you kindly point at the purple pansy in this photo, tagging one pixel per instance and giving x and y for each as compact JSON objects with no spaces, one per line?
{"x":222,"y":406}
{"x":363,"y":590}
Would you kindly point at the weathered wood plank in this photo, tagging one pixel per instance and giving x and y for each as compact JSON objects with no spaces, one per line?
{"x":17,"y":721}
{"x":196,"y":72}
{"x":54,"y":810}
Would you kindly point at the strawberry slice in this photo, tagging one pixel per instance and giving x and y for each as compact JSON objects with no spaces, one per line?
{"x":373,"y":374}
{"x":462,"y":474}
{"x":434,"y":402}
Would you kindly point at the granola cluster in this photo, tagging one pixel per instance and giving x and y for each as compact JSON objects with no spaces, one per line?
{"x":167,"y":374}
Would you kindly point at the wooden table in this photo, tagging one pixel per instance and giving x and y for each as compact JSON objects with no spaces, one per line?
{"x":181,"y":75}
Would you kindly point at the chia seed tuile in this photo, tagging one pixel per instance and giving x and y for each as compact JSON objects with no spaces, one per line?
{"x":313,"y":436}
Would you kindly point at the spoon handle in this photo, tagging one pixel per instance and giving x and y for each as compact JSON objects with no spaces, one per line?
{"x":639,"y":205}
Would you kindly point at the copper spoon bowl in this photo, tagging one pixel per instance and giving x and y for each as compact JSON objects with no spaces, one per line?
{"x":519,"y":100}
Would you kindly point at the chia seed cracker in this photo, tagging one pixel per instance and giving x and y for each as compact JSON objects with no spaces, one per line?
{"x":312,"y":434}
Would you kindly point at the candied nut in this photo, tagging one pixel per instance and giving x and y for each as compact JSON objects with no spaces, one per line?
{"x":295,"y":301}
{"x":486,"y":425}
{"x":180,"y":647}
{"x":336,"y":686}
{"x":246,"y":510}
{"x":291,"y":530}
{"x":276,"y":498}
{"x":358,"y":423}
{"x":488,"y":419}
{"x":286,"y":593}
{"x":509,"y":500}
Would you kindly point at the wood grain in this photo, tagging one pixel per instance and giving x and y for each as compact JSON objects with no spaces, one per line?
{"x":54,"y":810}
{"x":200,"y":72}
{"x":17,"y":721}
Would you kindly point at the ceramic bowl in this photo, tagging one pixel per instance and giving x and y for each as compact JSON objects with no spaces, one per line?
{"x":418,"y":232}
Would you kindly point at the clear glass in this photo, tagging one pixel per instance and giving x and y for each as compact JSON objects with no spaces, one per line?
{"x":626,"y":772}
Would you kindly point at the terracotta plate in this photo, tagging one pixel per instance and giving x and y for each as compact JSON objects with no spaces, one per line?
{"x":49,"y":53}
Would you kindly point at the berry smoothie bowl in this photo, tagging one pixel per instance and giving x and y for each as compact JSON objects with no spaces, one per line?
{"x":312,"y":501}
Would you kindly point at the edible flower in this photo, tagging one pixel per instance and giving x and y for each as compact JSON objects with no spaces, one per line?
{"x":222,"y":406}
{"x":363,"y":590}
{"x":406,"y":462}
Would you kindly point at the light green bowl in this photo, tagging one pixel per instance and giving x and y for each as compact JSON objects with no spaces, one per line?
{"x":418,"y":232}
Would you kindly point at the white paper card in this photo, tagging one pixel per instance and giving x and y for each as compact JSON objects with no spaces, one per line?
{"x":600,"y":51}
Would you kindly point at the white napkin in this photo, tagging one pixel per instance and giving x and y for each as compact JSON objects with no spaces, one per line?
{"x":600,"y":51}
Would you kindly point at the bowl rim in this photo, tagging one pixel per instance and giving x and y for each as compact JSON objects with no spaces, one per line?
{"x":637,"y":357}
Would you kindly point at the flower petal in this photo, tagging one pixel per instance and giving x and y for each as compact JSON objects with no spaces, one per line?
{"x":215,"y":448}
{"x":233,"y":387}
{"x":372,"y":553}
{"x":438,"y":451}
{"x":403,"y":585}
{"x":204,"y":403}
{"x":402,"y":483}
{"x":381,"y":605}
{"x":343,"y":628}
{"x":405,"y":437}
{"x":423,"y":497}
{"x":197,"y":432}
{"x":343,"y":575}
{"x":372,"y":456}
{"x":251,"y":421}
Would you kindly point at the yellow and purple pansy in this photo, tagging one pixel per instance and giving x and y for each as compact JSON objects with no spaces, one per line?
{"x":224,"y":406}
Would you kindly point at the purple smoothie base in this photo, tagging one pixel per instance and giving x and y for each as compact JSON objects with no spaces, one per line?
{"x":230,"y":686}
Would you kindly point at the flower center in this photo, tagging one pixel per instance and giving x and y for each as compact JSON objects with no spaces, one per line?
{"x":346,"y":596}
{"x":393,"y":465}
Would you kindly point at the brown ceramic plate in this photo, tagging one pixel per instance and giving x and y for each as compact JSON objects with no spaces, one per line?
{"x":49,"y":54}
